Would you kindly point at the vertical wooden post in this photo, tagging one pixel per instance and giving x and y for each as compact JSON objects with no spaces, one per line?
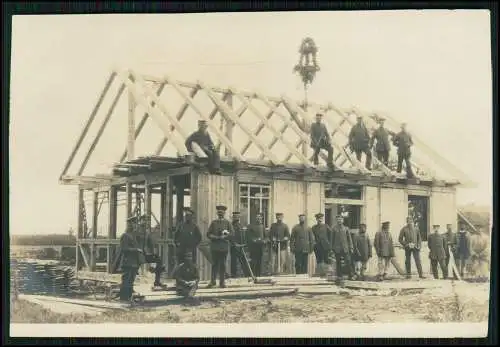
{"x":79,"y":231}
{"x":167,"y":213}
{"x":179,"y":188}
{"x":111,"y":250}
{"x":93,"y":248}
{"x":131,"y":127}
{"x":128,"y":189}
{"x":163,"y":220}
{"x":229,"y":125}
{"x":147,"y":213}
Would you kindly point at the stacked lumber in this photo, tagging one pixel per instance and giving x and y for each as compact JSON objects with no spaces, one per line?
{"x":41,"y":277}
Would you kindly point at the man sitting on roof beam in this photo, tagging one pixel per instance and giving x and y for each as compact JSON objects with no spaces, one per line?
{"x":202,"y":139}
{"x":359,"y":142}
{"x":320,"y":139}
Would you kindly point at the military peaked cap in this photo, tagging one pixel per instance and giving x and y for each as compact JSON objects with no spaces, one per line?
{"x":279,"y":214}
{"x":221,"y":208}
{"x":318,"y":215}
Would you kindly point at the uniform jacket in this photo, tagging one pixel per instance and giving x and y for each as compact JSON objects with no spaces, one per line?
{"x":215,"y":232}
{"x":131,"y":257}
{"x":202,"y":139}
{"x":301,"y":239}
{"x":437,"y":245}
{"x":256,"y":235}
{"x":403,"y":141}
{"x":319,"y":135}
{"x":410,"y":234}
{"x":383,"y":244}
{"x":381,"y":137}
{"x":463,"y":244}
{"x":451,"y":241}
{"x":188,"y":235}
{"x":359,"y":138}
{"x":145,"y":241}
{"x":341,"y":239}
{"x":239,"y":233}
{"x":279,"y":231}
{"x":185,"y":273}
{"x":362,"y":247}
{"x":322,"y":235}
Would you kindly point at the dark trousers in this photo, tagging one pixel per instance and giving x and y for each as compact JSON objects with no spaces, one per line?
{"x":213,"y":159}
{"x":256,"y":252}
{"x":368,"y":154}
{"x":406,"y":157}
{"x":342,"y":258}
{"x":218,"y":266}
{"x":328,"y":147}
{"x":321,"y":255}
{"x":383,"y":157}
{"x":461,"y":261}
{"x":416,"y":255}
{"x":127,"y":286}
{"x":158,"y":269}
{"x":301,"y":262}
{"x":237,"y":261}
{"x":442,"y":264}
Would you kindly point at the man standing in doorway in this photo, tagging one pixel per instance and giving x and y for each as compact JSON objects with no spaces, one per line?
{"x":411,"y":240}
{"x":256,"y":242}
{"x":382,"y":144}
{"x":437,"y":254}
{"x":403,"y":141}
{"x":132,"y":258}
{"x":219,"y":233}
{"x":301,"y":244}
{"x":384,"y":248}
{"x":463,"y":248}
{"x":187,"y":237}
{"x":202,"y":138}
{"x":320,"y":139}
{"x":359,"y":141}
{"x":322,"y":235}
{"x":343,"y":248}
{"x":279,"y":234}
{"x":237,"y":245}
{"x":451,"y":244}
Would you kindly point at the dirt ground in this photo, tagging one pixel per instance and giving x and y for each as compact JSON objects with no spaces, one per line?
{"x":464,"y":304}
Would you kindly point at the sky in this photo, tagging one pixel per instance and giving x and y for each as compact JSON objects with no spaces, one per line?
{"x":431,"y":69}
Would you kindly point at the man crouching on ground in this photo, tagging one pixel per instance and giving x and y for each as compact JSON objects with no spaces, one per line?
{"x":186,"y":277}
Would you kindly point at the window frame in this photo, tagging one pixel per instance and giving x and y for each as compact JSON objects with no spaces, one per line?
{"x":246,"y":196}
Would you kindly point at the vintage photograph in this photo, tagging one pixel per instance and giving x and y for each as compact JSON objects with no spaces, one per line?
{"x":230,"y":168}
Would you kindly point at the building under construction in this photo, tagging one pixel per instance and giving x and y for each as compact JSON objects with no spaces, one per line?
{"x":265,"y":161}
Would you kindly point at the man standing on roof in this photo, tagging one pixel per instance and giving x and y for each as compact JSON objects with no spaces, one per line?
{"x":237,"y":245}
{"x":411,"y":240}
{"x":301,"y":244}
{"x":256,"y":241}
{"x":320,"y":139}
{"x":403,"y":141}
{"x":382,"y":144}
{"x":187,"y":237}
{"x":437,"y":254}
{"x":342,"y":247}
{"x":359,"y":141}
{"x":322,"y":235}
{"x":202,"y":138}
{"x":279,"y":233}
{"x":132,"y":258}
{"x":145,"y":239}
{"x":219,"y":233}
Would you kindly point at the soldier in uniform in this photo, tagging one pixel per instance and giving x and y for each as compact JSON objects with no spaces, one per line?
{"x":301,"y":244}
{"x":132,"y":259}
{"x":279,"y":232}
{"x":320,"y":139}
{"x":322,"y":235}
{"x":403,"y":141}
{"x":463,"y":248}
{"x":451,"y":242}
{"x":411,"y":240}
{"x":437,"y":254}
{"x":145,"y":238}
{"x":187,"y":237}
{"x":382,"y":144}
{"x":219,"y":233}
{"x":202,"y":138}
{"x":238,"y":242}
{"x":362,"y":251}
{"x":342,"y":247}
{"x":256,"y":241}
{"x":384,"y":248}
{"x":359,"y":141}
{"x":186,"y":277}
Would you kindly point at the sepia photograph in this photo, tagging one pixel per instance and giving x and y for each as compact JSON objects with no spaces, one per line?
{"x":265,"y":174}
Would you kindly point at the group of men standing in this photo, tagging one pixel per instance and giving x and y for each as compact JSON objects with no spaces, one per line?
{"x":360,"y":142}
